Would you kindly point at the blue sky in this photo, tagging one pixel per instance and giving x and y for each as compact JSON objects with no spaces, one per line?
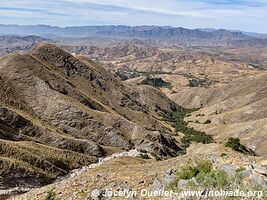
{"x":247,"y":15}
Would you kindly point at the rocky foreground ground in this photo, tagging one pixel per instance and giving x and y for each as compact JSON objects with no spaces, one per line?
{"x":132,"y":173}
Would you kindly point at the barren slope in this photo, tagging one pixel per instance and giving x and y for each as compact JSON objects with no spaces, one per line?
{"x":59,"y":112}
{"x":136,"y":174}
{"x":237,"y":109}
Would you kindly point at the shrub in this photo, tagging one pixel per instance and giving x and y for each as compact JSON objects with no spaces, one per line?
{"x":204,"y":166}
{"x":187,"y":172}
{"x":204,"y":175}
{"x":144,"y":156}
{"x":191,"y":170}
{"x":51,"y":195}
{"x":157,"y":158}
{"x":235,"y":144}
{"x":240,"y":169}
{"x":143,"y":151}
{"x":82,"y":194}
{"x":223,"y":154}
{"x":213,"y":179}
{"x":207,"y":121}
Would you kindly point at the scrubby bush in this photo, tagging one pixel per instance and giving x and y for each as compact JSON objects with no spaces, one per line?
{"x":144,"y":156}
{"x":223,"y":154}
{"x":201,"y":176}
{"x":235,"y":144}
{"x":51,"y":195}
{"x":204,"y":175}
{"x":190,"y":171}
{"x":214,"y":179}
{"x":143,"y":151}
{"x":207,"y":121}
{"x":240,"y":169}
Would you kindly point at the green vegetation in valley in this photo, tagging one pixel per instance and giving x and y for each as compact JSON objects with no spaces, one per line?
{"x":176,"y":119}
{"x":150,"y":79}
{"x":156,"y":82}
{"x":125,"y":75}
{"x":196,"y":82}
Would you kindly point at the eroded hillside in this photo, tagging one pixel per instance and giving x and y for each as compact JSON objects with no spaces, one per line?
{"x":62,"y":111}
{"x":59,"y":112}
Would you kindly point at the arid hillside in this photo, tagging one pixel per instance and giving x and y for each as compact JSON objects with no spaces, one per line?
{"x":237,"y":109}
{"x":228,"y":84}
{"x":66,"y":120}
{"x":224,"y":83}
{"x":165,"y":56}
{"x":60,"y":112}
{"x":11,"y":43}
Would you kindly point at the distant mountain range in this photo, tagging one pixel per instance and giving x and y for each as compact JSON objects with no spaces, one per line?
{"x":21,"y":38}
{"x":252,"y":34}
{"x":142,"y":32}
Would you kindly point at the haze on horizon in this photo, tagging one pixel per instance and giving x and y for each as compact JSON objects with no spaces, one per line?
{"x":245,"y":15}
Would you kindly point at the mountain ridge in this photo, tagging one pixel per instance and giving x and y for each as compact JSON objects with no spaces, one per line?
{"x":59,"y":112}
{"x":120,"y":31}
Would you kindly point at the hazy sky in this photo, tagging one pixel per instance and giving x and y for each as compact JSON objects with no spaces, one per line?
{"x":248,"y":15}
